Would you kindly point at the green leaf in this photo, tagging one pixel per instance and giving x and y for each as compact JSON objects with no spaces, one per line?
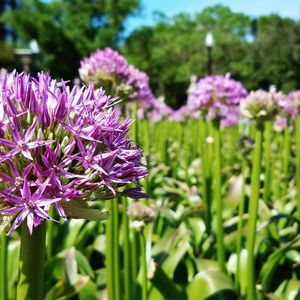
{"x":271,"y":264}
{"x":165,"y":286}
{"x":212,"y":284}
{"x":78,"y":212}
{"x":170,"y":264}
{"x":84,"y":265}
{"x":71,"y":269}
{"x":61,"y":291}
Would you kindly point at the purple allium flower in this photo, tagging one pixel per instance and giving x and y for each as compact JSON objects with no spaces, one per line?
{"x":60,"y":147}
{"x":103,"y":65}
{"x":217,"y":98}
{"x":109,"y":69}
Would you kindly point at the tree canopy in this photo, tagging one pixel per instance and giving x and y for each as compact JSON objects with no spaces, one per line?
{"x":67,"y":30}
{"x":259,"y":52}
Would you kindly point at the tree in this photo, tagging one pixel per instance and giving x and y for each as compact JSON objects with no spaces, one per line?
{"x":276,"y":53}
{"x":173,"y":49}
{"x":67,"y":30}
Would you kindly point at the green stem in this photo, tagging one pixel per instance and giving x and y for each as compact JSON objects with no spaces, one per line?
{"x":286,"y":159}
{"x":218,"y":199}
{"x":109,"y":254}
{"x":298,"y":165}
{"x":240,"y":225}
{"x":267,"y":160}
{"x":134,"y":262}
{"x":253,"y":207}
{"x":126,"y":248}
{"x":267,"y":172}
{"x":116,"y":252}
{"x":206,"y":177}
{"x":143,"y":265}
{"x":31,"y":263}
{"x":49,"y":237}
{"x":3,"y":266}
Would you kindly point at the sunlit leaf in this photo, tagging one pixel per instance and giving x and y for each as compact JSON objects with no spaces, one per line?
{"x":211,"y":284}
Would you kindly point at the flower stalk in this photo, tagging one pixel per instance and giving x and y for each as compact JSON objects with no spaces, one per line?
{"x":126,"y":249}
{"x":253,"y":208}
{"x":298,"y":165}
{"x":206,"y":178}
{"x":3,"y":266}
{"x":218,"y":198}
{"x":31,"y":263}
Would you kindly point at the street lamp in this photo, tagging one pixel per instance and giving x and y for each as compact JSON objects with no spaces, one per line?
{"x":26,"y":54}
{"x":209,"y":43}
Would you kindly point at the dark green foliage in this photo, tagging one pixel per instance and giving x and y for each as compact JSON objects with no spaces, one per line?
{"x":259,"y":52}
{"x":67,"y":30}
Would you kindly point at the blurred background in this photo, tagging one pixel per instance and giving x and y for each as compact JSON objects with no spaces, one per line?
{"x":258,"y":41}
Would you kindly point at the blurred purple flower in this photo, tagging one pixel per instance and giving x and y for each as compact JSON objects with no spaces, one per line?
{"x":217,"y":98}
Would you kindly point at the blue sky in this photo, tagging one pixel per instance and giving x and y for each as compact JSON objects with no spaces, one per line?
{"x":285,"y":8}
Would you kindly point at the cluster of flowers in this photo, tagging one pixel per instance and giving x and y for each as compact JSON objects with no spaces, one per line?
{"x":109,"y":69}
{"x":222,"y":98}
{"x":217,"y":98}
{"x":61,"y":147}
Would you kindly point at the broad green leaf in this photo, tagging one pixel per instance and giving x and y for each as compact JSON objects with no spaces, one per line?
{"x":91,"y":214}
{"x":206,"y":264}
{"x":270,"y":266}
{"x":73,"y":230}
{"x":165,"y":286}
{"x":210,"y":284}
{"x":61,"y":291}
{"x":174,"y":257}
{"x":71,"y":269}
{"x":84,"y":265}
{"x":292,"y":291}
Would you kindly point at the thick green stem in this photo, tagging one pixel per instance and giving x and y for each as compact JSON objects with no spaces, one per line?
{"x":50,"y":237}
{"x":253,"y":207}
{"x":3,"y":266}
{"x":206,"y":177}
{"x":267,"y":160}
{"x":134,"y":262}
{"x":286,"y":159}
{"x":298,"y":165}
{"x":240,"y":225}
{"x":267,"y":172}
{"x":126,"y":249}
{"x":144,"y":270}
{"x":31,"y":263}
{"x":116,"y":252}
{"x":109,"y":254}
{"x":218,"y":199}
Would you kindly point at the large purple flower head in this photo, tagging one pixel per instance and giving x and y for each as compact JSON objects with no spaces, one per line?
{"x":61,"y":147}
{"x":217,"y":98}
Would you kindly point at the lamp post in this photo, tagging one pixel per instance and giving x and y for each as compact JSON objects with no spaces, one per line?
{"x":26,"y":54}
{"x":209,"y":43}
